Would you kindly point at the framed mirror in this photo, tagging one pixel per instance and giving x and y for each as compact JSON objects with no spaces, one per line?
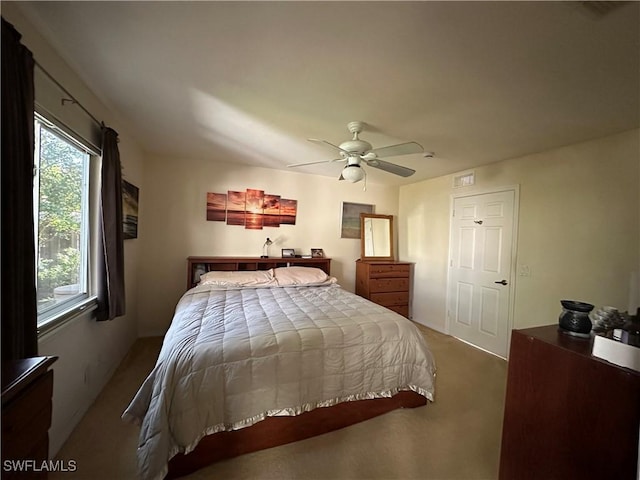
{"x":376,"y":239}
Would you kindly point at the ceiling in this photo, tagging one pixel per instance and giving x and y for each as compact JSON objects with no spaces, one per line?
{"x":249,"y":82}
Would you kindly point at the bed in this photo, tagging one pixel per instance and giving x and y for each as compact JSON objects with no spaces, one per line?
{"x":257,"y":359}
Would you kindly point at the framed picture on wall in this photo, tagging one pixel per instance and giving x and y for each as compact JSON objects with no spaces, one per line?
{"x":350,"y":220}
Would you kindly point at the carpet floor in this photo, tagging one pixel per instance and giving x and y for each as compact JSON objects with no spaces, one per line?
{"x":455,"y":437}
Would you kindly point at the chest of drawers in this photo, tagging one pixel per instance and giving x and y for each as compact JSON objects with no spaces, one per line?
{"x":27,"y":387}
{"x":568,"y":414}
{"x":385,"y":283}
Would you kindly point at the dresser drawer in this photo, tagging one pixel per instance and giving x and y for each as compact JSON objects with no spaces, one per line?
{"x":389,"y":299}
{"x":385,"y":283}
{"x":389,"y":285}
{"x":28,"y":436}
{"x":391,"y":270}
{"x":39,"y":453}
{"x":27,"y":419}
{"x":401,"y":309}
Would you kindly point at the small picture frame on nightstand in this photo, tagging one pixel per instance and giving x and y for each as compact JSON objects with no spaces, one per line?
{"x":288,"y":253}
{"x":317,"y":253}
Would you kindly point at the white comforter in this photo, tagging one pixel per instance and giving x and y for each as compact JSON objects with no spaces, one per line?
{"x":233,"y":356}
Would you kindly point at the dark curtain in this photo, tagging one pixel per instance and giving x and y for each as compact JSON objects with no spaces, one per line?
{"x":19,"y":309}
{"x":111,"y":263}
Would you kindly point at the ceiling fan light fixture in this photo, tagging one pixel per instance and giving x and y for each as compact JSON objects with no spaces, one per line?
{"x":353,"y":173}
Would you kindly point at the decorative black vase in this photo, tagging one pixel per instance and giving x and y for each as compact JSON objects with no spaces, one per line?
{"x":574,"y":319}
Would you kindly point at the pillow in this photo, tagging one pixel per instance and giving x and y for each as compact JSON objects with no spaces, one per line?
{"x":286,"y":276}
{"x":233,"y":279}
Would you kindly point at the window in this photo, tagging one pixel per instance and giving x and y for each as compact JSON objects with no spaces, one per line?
{"x":61,"y":217}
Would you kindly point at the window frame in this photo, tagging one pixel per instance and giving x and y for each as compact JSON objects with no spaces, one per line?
{"x":85,"y":301}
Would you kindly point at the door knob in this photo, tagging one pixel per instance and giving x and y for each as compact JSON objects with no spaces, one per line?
{"x":501,"y":282}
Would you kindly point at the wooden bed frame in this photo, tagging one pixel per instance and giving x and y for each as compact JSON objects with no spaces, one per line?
{"x":274,"y":431}
{"x":233,"y":264}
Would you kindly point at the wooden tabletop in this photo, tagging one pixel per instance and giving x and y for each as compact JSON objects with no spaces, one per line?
{"x":17,"y":372}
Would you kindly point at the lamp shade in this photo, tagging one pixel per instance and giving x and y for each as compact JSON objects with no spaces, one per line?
{"x":353,"y":173}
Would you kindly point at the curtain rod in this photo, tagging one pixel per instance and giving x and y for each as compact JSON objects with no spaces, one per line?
{"x":71,"y":98}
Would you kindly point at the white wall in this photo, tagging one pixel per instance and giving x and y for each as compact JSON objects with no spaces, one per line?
{"x":579,"y":229}
{"x":174,"y":224}
{"x":88,"y":351}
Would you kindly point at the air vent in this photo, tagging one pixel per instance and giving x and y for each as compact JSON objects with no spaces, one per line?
{"x":464,"y":180}
{"x":601,"y":8}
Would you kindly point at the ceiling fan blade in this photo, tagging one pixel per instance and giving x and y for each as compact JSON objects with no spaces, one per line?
{"x":315,"y":163}
{"x":392,"y":168}
{"x":400,"y":149}
{"x":316,"y":140}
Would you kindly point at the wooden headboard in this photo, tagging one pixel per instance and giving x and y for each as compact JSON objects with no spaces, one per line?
{"x":198,"y":265}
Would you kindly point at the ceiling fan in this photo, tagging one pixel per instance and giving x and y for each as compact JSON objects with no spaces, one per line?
{"x":357,"y":151}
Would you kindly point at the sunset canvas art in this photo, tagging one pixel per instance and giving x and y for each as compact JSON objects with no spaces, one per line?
{"x":252,"y":209}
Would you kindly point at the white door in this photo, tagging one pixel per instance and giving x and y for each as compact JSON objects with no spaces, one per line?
{"x":480,"y":270}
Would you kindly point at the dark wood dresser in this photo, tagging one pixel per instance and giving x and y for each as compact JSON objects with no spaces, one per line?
{"x":27,"y":388}
{"x":567,"y":414}
{"x":386,"y":283}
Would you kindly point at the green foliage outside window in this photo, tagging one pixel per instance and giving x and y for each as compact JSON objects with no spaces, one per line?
{"x":61,"y":177}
